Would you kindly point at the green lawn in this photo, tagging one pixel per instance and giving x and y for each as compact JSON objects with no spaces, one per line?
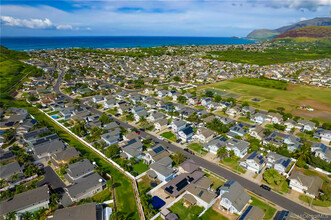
{"x":233,"y":163}
{"x":217,"y":182}
{"x":282,"y":187}
{"x":316,"y":97}
{"x":316,"y":202}
{"x":197,"y":148}
{"x":211,"y":214}
{"x":112,"y":111}
{"x":244,"y":119}
{"x":140,"y":167}
{"x":102,"y":196}
{"x":123,"y":186}
{"x":186,"y":213}
{"x":267,"y":209}
{"x":308,"y":137}
{"x":53,"y":113}
{"x":169,"y":135}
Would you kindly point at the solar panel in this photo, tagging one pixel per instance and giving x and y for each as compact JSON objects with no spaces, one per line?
{"x":158,"y":149}
{"x":181,"y":184}
{"x":229,"y":183}
{"x":253,"y":155}
{"x":242,"y":217}
{"x":200,"y":193}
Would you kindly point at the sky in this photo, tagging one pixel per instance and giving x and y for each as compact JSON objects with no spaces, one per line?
{"x":210,"y":18}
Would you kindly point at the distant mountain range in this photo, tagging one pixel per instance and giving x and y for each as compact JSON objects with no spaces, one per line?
{"x":311,"y":32}
{"x":262,"y":34}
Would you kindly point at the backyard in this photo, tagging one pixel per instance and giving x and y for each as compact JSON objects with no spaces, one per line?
{"x":188,"y":213}
{"x":140,"y":167}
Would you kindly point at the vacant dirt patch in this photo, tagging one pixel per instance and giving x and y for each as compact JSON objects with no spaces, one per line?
{"x":316,"y":105}
{"x":314,"y":114}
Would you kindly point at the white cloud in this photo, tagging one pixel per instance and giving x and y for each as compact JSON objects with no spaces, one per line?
{"x":28,"y":23}
{"x":64,"y":27}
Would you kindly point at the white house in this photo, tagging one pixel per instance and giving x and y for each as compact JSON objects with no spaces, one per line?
{"x":253,"y":162}
{"x":310,"y":185}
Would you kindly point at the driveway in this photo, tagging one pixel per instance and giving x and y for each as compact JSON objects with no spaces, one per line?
{"x":52,"y":179}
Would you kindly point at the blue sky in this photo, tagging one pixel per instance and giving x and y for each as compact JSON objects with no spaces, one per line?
{"x":219,"y":18}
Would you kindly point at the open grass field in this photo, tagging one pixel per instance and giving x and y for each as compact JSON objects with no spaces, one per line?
{"x":294,"y":96}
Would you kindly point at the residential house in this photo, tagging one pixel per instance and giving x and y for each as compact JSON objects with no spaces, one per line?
{"x":321,"y":150}
{"x":29,"y":201}
{"x":111,"y":103}
{"x":155,"y":116}
{"x":133,"y":148}
{"x":64,"y":157}
{"x":239,"y":147}
{"x":161,"y":124}
{"x":215,"y":144}
{"x":238,"y":129}
{"x":274,"y":118}
{"x":276,"y":138}
{"x":306,"y":125}
{"x":10,"y":169}
{"x":177,"y":125}
{"x":233,"y":197}
{"x":278,"y":162}
{"x":188,"y":166}
{"x":199,"y":193}
{"x":290,"y":124}
{"x":247,"y":110}
{"x":86,"y":187}
{"x":310,"y":185}
{"x":233,"y":111}
{"x":204,"y":135}
{"x":111,"y":137}
{"x":34,"y":134}
{"x":252,"y":213}
{"x":89,"y":211}
{"x":253,"y":162}
{"x":256,"y":131}
{"x":259,"y":117}
{"x":45,"y":150}
{"x":79,"y":169}
{"x":292,"y":142}
{"x":323,"y":135}
{"x":162,"y":169}
{"x":140,"y":115}
{"x":179,"y":184}
{"x":155,"y":153}
{"x":206,"y":101}
{"x":186,"y":134}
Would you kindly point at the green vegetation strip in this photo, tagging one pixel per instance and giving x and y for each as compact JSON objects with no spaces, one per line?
{"x":125,"y":198}
{"x":268,"y":210}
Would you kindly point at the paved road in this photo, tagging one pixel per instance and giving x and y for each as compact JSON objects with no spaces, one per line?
{"x":249,"y":185}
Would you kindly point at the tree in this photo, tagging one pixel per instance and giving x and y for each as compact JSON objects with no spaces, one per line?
{"x":182,"y":99}
{"x":30,"y":170}
{"x":218,"y":98}
{"x":77,"y":103}
{"x":54,"y":199}
{"x":218,"y":126}
{"x":104,"y":119}
{"x":272,"y":176}
{"x":179,"y":157}
{"x":177,"y":79}
{"x":142,"y":119}
{"x":209,"y":93}
{"x":232,"y":154}
{"x":222,"y":152}
{"x":27,"y":216}
{"x":8,"y":135}
{"x":303,"y":153}
{"x":112,"y":151}
{"x":11,"y":216}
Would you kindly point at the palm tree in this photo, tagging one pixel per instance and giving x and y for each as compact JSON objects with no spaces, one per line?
{"x":303,"y":153}
{"x":11,"y":216}
{"x":27,"y":216}
{"x":231,"y":153}
{"x":221,"y":152}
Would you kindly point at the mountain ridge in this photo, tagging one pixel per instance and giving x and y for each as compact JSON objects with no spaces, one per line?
{"x":263,"y":34}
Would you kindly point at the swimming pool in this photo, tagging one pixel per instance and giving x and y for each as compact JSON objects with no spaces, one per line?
{"x":54,"y":116}
{"x":157,"y":202}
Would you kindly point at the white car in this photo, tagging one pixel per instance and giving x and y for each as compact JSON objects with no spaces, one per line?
{"x":161,"y":138}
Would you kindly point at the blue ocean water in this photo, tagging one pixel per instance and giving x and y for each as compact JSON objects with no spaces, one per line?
{"x":30,"y":43}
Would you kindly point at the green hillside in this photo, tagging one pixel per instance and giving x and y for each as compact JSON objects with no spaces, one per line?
{"x":12,"y":70}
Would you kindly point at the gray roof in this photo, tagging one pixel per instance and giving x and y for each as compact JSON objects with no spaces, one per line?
{"x":201,"y":193}
{"x":236,"y":194}
{"x":35,"y":133}
{"x":111,"y":125}
{"x":178,"y":122}
{"x":67,"y":154}
{"x":313,"y":183}
{"x":24,"y":200}
{"x":10,"y":169}
{"x":241,"y":145}
{"x":49,"y":147}
{"x":85,"y":184}
{"x":189,"y":166}
{"x":252,"y":213}
{"x":81,"y":212}
{"x":80,"y":168}
{"x":161,"y":166}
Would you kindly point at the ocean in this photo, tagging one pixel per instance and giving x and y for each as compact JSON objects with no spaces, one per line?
{"x":32,"y":43}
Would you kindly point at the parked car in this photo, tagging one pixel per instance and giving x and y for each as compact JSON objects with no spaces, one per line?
{"x":265,"y":187}
{"x":178,"y":140}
